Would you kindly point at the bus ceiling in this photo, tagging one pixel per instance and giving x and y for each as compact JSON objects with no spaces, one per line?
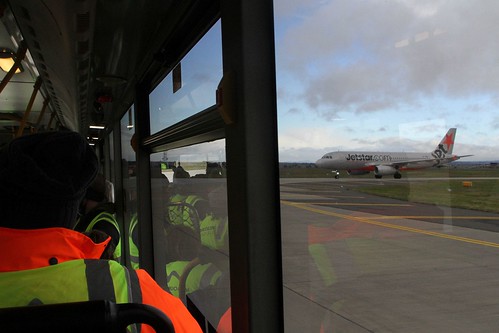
{"x":90,"y":55}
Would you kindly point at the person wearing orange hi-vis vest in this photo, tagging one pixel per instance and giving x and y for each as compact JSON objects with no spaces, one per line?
{"x":43,"y":178}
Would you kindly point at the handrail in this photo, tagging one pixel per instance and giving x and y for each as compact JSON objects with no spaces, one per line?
{"x":83,"y":317}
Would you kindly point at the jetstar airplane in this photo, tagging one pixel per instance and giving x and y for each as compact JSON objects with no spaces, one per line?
{"x":386,"y":163}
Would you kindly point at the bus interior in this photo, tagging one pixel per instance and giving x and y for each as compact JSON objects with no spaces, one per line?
{"x":158,"y":87}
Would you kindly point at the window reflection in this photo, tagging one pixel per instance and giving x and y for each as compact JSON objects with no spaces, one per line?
{"x":189,"y":192}
{"x":363,"y":254}
{"x":191,"y":87}
{"x":129,"y":165}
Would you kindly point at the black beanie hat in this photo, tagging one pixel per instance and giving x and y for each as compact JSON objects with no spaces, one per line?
{"x":43,"y":178}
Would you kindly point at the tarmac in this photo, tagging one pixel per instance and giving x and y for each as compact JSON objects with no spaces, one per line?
{"x":359,"y":263}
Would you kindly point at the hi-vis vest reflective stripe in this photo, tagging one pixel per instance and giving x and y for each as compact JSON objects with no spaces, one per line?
{"x":109,"y":218}
{"x":134,"y":248}
{"x":182,"y":211}
{"x":213,"y":231}
{"x":70,"y":281}
{"x":199,"y":277}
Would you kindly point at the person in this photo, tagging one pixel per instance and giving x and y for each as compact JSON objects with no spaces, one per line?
{"x":179,"y":172}
{"x":184,"y":265}
{"x":98,"y":236}
{"x":97,"y":213}
{"x":133,"y":242}
{"x":194,"y":211}
{"x":43,"y":178}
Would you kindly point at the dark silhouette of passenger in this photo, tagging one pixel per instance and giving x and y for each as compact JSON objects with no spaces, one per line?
{"x":179,"y":172}
{"x":43,"y":178}
{"x":97,"y":213}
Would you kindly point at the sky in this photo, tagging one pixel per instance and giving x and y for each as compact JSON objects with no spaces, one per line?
{"x":386,"y":75}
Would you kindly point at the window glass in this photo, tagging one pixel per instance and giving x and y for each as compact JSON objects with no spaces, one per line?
{"x":394,"y":229}
{"x":110,"y":167}
{"x":189,"y":198}
{"x":191,"y":87}
{"x":129,"y":166}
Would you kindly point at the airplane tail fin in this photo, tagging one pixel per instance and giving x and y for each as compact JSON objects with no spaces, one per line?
{"x":446,"y":145}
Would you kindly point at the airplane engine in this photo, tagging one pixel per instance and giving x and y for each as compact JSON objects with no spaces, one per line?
{"x":384,"y":170}
{"x":357,"y":172}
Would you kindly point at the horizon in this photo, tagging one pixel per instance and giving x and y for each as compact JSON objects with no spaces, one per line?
{"x":386,"y":76}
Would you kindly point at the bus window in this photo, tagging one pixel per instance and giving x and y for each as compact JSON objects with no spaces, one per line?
{"x":129,"y":165}
{"x":189,"y":201}
{"x":109,"y":158}
{"x":400,"y":242}
{"x":190,"y":87}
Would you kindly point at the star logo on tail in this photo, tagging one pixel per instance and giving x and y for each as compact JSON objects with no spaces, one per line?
{"x":449,"y":140}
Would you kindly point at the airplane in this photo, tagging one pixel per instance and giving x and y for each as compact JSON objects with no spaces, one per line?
{"x":389,"y":163}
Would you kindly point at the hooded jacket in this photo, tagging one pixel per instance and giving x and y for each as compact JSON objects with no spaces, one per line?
{"x":35,"y":249}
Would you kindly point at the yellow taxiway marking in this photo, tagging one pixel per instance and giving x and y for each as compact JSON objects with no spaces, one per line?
{"x":291,"y":195}
{"x":350,"y":204}
{"x":394,"y":217}
{"x":391,"y":226}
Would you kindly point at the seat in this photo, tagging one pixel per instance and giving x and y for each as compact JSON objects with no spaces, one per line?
{"x":89,"y":316}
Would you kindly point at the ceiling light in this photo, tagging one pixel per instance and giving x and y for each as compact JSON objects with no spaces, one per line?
{"x":7,"y":60}
{"x":99,"y":127}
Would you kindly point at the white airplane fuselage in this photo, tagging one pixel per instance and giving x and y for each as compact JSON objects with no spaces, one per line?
{"x":363,"y":160}
{"x":390,"y":163}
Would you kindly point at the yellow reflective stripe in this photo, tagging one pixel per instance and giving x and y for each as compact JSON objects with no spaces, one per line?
{"x":181,"y":210}
{"x":82,"y":280}
{"x":121,"y":282}
{"x":108,"y":217}
{"x":133,"y":248}
{"x":20,"y":288}
{"x":87,"y":279}
{"x":201,"y":276}
{"x":210,"y":276}
{"x":173,"y":271}
{"x":103,"y":216}
{"x":214,"y":232}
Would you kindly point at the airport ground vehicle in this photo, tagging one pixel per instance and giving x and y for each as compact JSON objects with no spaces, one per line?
{"x":159,"y":85}
{"x":106,"y":69}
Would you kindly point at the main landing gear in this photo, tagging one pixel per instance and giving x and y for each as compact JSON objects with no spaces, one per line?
{"x":396,"y":175}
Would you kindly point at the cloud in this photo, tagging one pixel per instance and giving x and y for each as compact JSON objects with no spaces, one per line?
{"x":495,"y":123}
{"x":213,"y":151}
{"x":303,"y":137}
{"x":294,"y":111}
{"x":371,"y":56}
{"x":300,"y":155}
{"x":307,"y":144}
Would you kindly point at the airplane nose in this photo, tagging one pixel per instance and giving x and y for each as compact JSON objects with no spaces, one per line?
{"x":318,"y":163}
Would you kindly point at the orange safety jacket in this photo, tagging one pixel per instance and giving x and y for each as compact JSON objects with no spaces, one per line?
{"x":37,"y":248}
